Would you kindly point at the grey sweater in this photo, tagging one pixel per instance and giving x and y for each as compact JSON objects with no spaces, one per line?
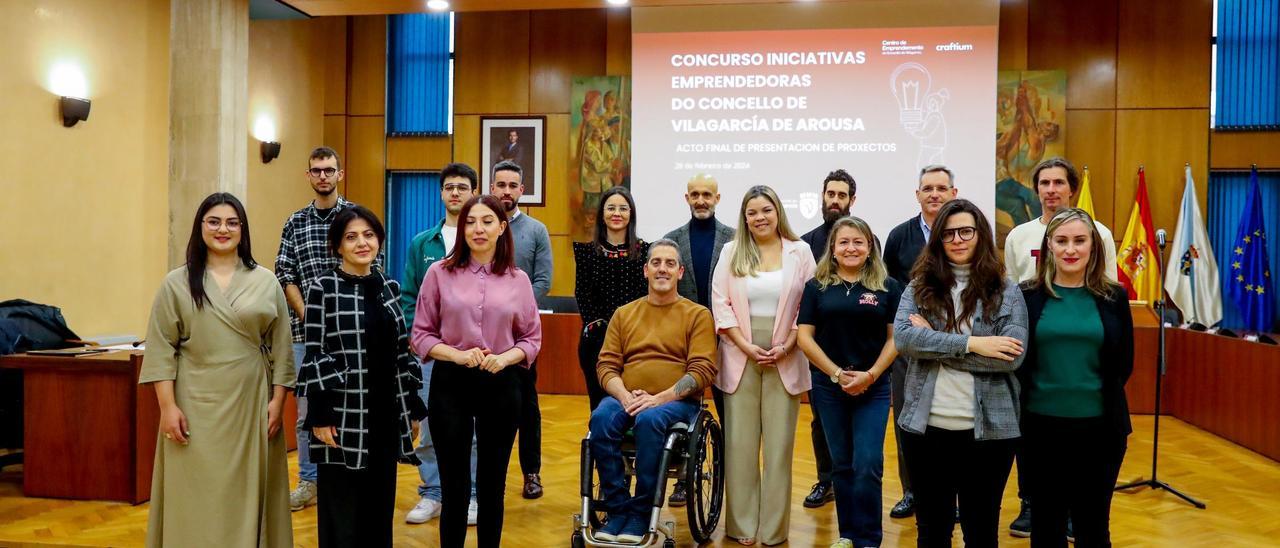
{"x":996,"y":409}
{"x":533,"y":252}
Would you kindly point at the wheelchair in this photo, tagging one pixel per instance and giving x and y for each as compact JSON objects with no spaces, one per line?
{"x":693,"y":453}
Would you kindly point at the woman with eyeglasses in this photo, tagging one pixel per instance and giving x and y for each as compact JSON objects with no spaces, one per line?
{"x":1075,"y":418}
{"x":219,"y":354}
{"x":963,"y":328}
{"x":610,"y":273}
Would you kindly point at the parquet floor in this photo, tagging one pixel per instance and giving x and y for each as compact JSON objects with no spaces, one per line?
{"x":1241,"y":488}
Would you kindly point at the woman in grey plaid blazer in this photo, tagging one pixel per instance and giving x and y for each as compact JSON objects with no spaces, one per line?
{"x":362,"y":384}
{"x":962,"y":327}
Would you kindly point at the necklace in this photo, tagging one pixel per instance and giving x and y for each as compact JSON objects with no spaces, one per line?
{"x":848,"y":287}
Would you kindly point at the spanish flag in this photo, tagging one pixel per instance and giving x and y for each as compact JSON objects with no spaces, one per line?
{"x":1139,"y":268}
{"x":1085,"y":201}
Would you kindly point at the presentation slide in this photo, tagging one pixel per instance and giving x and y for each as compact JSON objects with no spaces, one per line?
{"x":784,"y":107}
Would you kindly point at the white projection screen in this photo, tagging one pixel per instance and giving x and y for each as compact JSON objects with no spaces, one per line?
{"x":781,"y":94}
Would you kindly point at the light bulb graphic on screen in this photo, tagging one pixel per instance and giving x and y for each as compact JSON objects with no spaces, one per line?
{"x":920,"y":111}
{"x":910,"y":84}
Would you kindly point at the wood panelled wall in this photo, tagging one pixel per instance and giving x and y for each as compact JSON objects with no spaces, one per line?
{"x":1138,"y":78}
{"x":505,"y":63}
{"x":1137,"y":92}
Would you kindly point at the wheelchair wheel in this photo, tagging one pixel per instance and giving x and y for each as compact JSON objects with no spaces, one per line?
{"x":577,"y":540}
{"x":704,"y":477}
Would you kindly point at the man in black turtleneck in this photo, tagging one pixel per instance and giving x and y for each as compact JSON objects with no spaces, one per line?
{"x":700,"y":241}
{"x":839,"y":191}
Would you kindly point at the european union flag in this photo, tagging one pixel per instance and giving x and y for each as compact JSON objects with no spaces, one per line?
{"x":1250,"y":282}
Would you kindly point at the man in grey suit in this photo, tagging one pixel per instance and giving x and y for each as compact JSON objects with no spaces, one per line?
{"x":533,"y":256}
{"x":700,"y":241}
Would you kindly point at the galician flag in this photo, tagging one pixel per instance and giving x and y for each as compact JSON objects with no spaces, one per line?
{"x":1192,"y":279}
{"x":1139,"y":269}
{"x":1085,"y":201}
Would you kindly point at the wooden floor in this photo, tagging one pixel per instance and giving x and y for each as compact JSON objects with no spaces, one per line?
{"x":1241,"y":488}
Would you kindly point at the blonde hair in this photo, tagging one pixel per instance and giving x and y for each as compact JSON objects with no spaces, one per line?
{"x":873,"y":272}
{"x":746,"y":254}
{"x":1095,"y":279}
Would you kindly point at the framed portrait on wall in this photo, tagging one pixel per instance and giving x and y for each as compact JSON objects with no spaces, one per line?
{"x":520,"y":139}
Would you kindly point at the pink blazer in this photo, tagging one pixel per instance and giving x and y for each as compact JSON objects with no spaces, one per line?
{"x":730,"y":309}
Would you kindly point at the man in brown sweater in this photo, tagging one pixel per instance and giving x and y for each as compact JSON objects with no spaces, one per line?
{"x":658,"y":357}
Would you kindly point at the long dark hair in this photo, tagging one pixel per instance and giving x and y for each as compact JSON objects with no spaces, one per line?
{"x":198,"y":251}
{"x":503,"y":257}
{"x":933,"y":278}
{"x":602,"y":231}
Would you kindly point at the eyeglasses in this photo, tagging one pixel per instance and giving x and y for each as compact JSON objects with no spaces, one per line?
{"x":617,"y":209}
{"x":457,"y":188}
{"x":965,"y":233}
{"x":214,"y":224}
{"x":325,"y":171}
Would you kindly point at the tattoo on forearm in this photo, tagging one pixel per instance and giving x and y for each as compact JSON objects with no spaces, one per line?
{"x":686,"y":386}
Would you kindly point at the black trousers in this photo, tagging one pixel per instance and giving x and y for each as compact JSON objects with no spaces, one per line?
{"x":357,"y":507}
{"x":530,"y":421}
{"x":897,"y":388}
{"x":466,"y":402}
{"x":589,"y":345}
{"x":821,"y":454}
{"x":1072,"y":468}
{"x":947,"y":465}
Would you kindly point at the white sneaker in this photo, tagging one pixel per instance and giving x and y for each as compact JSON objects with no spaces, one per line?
{"x":472,"y":510}
{"x":303,"y":495}
{"x":424,"y":511}
{"x":842,"y":543}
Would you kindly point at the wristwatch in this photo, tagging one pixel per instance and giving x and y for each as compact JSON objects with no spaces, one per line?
{"x":835,"y":378}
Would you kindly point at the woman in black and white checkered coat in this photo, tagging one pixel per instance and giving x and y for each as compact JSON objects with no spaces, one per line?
{"x":362,"y":387}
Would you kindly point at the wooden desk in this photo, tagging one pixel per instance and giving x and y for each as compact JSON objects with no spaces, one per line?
{"x":558,"y":371}
{"x":89,"y":428}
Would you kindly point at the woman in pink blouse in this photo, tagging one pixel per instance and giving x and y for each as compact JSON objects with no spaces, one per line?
{"x":477,"y":318}
{"x":755,"y":296}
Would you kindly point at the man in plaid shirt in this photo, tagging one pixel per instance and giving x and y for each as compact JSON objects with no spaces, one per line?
{"x":304,"y":256}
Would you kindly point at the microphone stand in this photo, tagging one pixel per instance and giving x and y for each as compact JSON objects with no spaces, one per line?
{"x":1155,"y":482}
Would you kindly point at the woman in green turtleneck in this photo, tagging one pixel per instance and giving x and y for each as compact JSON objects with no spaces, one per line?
{"x":1075,"y":418}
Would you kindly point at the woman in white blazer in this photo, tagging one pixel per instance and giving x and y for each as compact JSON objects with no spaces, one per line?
{"x":755,"y":296}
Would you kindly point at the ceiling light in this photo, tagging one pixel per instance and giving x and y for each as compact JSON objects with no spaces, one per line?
{"x":617,"y":2}
{"x":437,"y":5}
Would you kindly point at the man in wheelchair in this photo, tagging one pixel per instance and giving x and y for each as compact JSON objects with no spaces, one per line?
{"x":658,"y":357}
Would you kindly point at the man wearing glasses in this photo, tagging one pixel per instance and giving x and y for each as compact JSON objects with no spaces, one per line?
{"x":304,"y":256}
{"x":458,"y":183}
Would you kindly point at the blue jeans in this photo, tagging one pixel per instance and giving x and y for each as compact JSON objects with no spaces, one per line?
{"x":306,"y":469}
{"x":855,"y":427}
{"x":609,"y":422}
{"x":429,"y":470}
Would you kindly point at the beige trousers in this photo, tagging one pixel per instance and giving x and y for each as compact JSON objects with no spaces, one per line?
{"x":759,"y":414}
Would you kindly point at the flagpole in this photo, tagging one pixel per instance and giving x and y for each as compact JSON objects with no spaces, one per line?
{"x":1154,"y":482}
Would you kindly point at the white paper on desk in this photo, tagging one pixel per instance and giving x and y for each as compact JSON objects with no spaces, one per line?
{"x":129,"y":346}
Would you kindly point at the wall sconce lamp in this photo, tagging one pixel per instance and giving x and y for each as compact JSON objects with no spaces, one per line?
{"x":74,"y":109}
{"x":67,"y":80}
{"x":265,"y":130}
{"x":270,"y":151}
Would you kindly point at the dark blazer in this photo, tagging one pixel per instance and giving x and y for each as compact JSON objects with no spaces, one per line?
{"x":902,"y":248}
{"x":688,"y":285}
{"x":1116,"y":354}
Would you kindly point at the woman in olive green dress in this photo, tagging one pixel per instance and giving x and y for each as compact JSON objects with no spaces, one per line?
{"x":219,"y":352}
